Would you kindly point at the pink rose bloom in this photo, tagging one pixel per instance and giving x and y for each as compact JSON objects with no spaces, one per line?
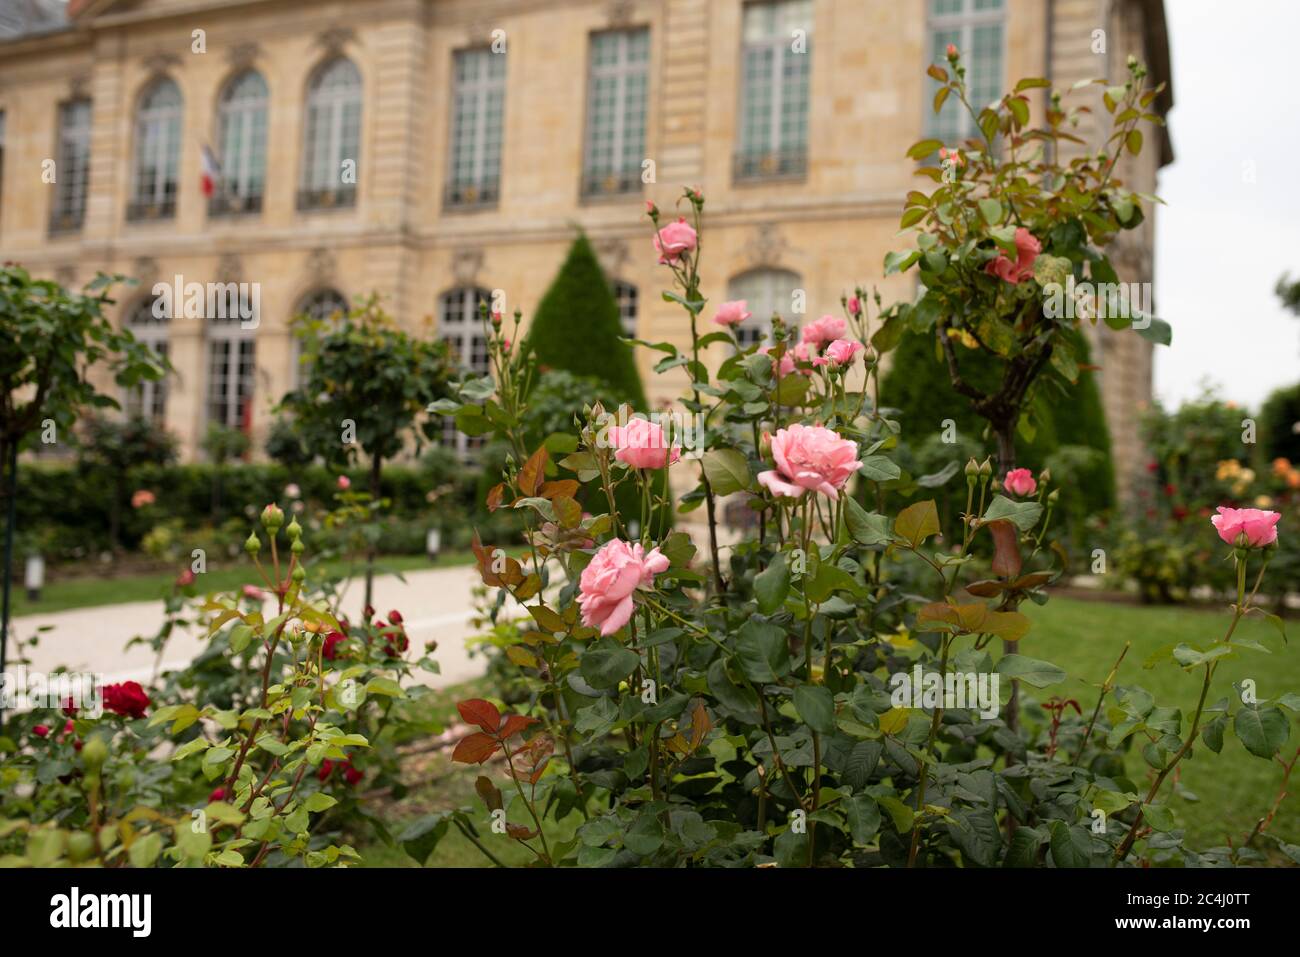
{"x":642,"y":444}
{"x":142,"y":498}
{"x":821,"y":331}
{"x":1259,"y":526}
{"x":1020,"y":482}
{"x":810,"y":458}
{"x":1027,"y":250}
{"x":674,"y":241}
{"x":843,"y":351}
{"x":254,"y":593}
{"x":807,"y":352}
{"x":855,"y":307}
{"x":344,"y":483}
{"x":607,"y":584}
{"x":732,"y":313}
{"x":785,"y":366}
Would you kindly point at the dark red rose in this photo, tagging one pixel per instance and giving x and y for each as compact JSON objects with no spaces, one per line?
{"x":1180,"y":512}
{"x":218,"y":794}
{"x":69,"y":726}
{"x":368,"y":611}
{"x":332,"y":641}
{"x":69,"y":708}
{"x":350,"y":774}
{"x":127,"y":698}
{"x":41,"y":730}
{"x":326,"y":768}
{"x":395,"y":617}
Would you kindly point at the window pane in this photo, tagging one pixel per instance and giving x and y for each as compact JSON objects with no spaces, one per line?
{"x":775,"y":71}
{"x":616,"y":111}
{"x":478,"y":105}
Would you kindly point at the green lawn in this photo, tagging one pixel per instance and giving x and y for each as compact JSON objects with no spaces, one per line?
{"x":1233,"y":788}
{"x":88,"y":592}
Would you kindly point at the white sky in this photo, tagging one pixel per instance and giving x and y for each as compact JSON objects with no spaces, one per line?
{"x":1222,"y":242}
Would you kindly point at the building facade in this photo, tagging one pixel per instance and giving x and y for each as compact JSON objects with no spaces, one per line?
{"x":438,"y":151}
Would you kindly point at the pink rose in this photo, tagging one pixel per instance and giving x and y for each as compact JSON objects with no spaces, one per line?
{"x":142,"y":498}
{"x":1020,"y":482}
{"x":1259,"y":526}
{"x":254,"y":593}
{"x":674,"y":241}
{"x":810,"y":458}
{"x":841,"y":352}
{"x":732,"y":313}
{"x":607,"y":583}
{"x":855,"y":307}
{"x":1027,"y":250}
{"x":642,"y":444}
{"x":785,"y":366}
{"x":807,"y":352}
{"x":344,"y":483}
{"x":823,"y":330}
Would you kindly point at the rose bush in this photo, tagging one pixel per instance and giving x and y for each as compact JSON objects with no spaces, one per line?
{"x":740,"y":705}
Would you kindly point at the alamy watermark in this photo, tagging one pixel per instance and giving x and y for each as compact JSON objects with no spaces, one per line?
{"x":24,"y":690}
{"x":225,"y":301}
{"x":1098,"y":300}
{"x":956,"y":689}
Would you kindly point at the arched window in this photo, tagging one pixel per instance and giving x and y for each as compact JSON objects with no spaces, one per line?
{"x":149,"y":326}
{"x":232,"y":364}
{"x":320,"y":306}
{"x":331,"y":137}
{"x":766,"y":291}
{"x":241,"y":145}
{"x":461,"y":328}
{"x":157,"y":152}
{"x":625,"y":296}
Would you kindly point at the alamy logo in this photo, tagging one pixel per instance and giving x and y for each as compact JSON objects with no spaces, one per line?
{"x":1099,"y":300}
{"x":956,"y":689}
{"x":73,"y":910}
{"x":212,"y":300}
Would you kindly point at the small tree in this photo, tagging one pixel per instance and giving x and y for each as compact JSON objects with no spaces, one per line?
{"x":576,"y":328}
{"x":52,"y":340}
{"x":366,"y":386}
{"x":222,"y":444}
{"x":117,"y":447}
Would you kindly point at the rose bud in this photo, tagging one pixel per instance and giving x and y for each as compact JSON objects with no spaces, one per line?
{"x":272,"y":517}
{"x":41,"y":730}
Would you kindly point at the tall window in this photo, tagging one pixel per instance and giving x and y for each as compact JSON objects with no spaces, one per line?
{"x":322,"y":306}
{"x":2,"y":153}
{"x":461,"y":328}
{"x":975,"y":28}
{"x":232,"y":363}
{"x":332,"y":137}
{"x":776,"y":64}
{"x":241,"y":145}
{"x":73,"y":166}
{"x":148,"y":399}
{"x":625,"y":296}
{"x":157,"y":152}
{"x":616,"y":112}
{"x":478,"y":110}
{"x":766,"y":291}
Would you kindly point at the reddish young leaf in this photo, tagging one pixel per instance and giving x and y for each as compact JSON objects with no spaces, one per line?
{"x":534,"y":470}
{"x":519,"y":832}
{"x":480,"y":712}
{"x":475,"y":748}
{"x":489,"y":792}
{"x":513,"y":724}
{"x":1006,"y":548}
{"x":495,"y":496}
{"x":560,"y":488}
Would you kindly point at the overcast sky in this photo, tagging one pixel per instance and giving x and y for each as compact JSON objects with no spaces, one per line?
{"x":1223,"y":240}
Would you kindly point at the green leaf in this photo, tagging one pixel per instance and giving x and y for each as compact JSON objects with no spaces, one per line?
{"x":923,"y":148}
{"x":863,"y":815}
{"x":385,"y":686}
{"x":991,"y":210}
{"x":917,"y":522}
{"x":1071,"y":846}
{"x":606,"y":662}
{"x":867,"y":528}
{"x":1155,"y":330}
{"x":827,"y":580}
{"x":762,"y":651}
{"x":1040,"y":674}
{"x":1159,"y":816}
{"x":816,"y":706}
{"x":1261,"y":730}
{"x":1024,"y":515}
{"x":145,"y":849}
{"x":727,"y":471}
{"x":772,"y":584}
{"x":879,"y":468}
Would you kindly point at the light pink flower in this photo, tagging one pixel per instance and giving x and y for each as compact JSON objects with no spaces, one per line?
{"x":810,"y":458}
{"x":1020,"y":482}
{"x":732,"y":313}
{"x":616,"y":571}
{"x":1027,"y":250}
{"x":843,"y":351}
{"x":821,"y":331}
{"x":855,"y":307}
{"x":674,"y":241}
{"x":785,"y":366}
{"x":807,"y":352}
{"x":344,"y":483}
{"x":1259,"y":526}
{"x":292,"y":490}
{"x":142,"y":497}
{"x":642,"y":444}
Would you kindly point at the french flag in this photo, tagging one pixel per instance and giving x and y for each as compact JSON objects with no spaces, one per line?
{"x":211,"y":171}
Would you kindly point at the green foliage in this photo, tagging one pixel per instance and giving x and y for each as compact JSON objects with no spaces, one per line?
{"x":576,"y":328}
{"x":1279,"y":424}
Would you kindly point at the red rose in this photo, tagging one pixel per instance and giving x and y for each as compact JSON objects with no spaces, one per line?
{"x":350,"y":774}
{"x":127,"y":698}
{"x":332,"y":641}
{"x":395,"y":617}
{"x":218,"y":794}
{"x":69,"y":708}
{"x":326,"y":768}
{"x":41,"y":730}
{"x":185,"y":578}
{"x":69,"y":727}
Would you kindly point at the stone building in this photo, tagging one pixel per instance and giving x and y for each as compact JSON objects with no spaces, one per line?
{"x":435,"y":151}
